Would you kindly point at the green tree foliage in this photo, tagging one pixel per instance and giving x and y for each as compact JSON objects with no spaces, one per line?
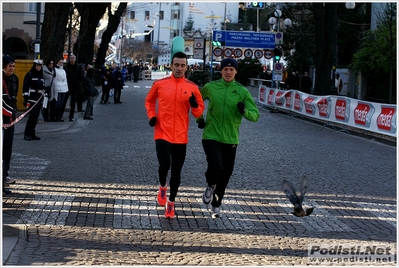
{"x":376,"y":60}
{"x":247,"y":68}
{"x":300,"y":37}
{"x":188,"y":27}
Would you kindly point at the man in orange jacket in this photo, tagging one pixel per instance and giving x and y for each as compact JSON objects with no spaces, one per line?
{"x":175,"y":95}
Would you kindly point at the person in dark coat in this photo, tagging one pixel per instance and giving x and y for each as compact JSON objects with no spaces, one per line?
{"x":33,"y":93}
{"x":9,"y":110}
{"x":89,"y":86}
{"x":107,"y":83}
{"x":306,"y":83}
{"x":75,"y":78}
{"x":136,"y":71}
{"x":291,"y":82}
{"x":118,"y":85}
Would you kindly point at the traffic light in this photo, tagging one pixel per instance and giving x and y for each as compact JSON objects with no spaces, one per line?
{"x":217,"y":43}
{"x":277,"y":54}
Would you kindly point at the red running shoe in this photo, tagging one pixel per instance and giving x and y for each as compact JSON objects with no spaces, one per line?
{"x":162,"y":195}
{"x":170,"y":210}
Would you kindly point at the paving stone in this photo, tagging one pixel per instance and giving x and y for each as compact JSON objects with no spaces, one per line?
{"x":89,"y":197}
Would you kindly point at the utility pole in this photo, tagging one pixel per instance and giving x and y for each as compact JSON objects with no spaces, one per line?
{"x":37,"y":39}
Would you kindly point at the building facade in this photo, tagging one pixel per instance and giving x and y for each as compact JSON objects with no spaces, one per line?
{"x":19,"y":28}
{"x":160,"y":22}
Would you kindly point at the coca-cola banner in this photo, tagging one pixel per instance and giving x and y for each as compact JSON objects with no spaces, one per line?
{"x":371,"y":116}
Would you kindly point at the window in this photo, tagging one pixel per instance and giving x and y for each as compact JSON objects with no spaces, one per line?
{"x":132,"y":15}
{"x":175,"y":14}
{"x":32,"y":7}
{"x":161,"y":15}
{"x":147,"y":15}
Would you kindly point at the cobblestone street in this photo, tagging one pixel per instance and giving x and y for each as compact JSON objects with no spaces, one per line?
{"x":86,"y":194}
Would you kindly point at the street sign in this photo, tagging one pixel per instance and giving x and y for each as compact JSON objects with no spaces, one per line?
{"x":278,"y":71}
{"x":198,"y":53}
{"x":245,"y":39}
{"x":248,"y":53}
{"x":228,"y":52}
{"x":218,"y":52}
{"x":237,"y":53}
{"x":268,"y":54}
{"x":199,"y":43}
{"x":258,"y":54}
{"x":260,"y":5}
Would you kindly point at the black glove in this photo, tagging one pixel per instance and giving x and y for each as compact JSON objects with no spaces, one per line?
{"x":201,"y":123}
{"x":153,"y":121}
{"x":193,"y":101}
{"x":241,"y":107}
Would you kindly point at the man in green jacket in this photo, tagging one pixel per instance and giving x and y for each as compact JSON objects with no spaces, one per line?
{"x":229,"y":102}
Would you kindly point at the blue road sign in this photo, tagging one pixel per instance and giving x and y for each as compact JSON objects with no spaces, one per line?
{"x":245,"y":39}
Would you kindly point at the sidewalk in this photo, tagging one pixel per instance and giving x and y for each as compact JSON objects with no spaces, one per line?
{"x":12,"y":231}
{"x":44,"y":127}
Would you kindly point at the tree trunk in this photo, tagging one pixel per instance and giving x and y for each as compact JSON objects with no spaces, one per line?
{"x":54,"y":30}
{"x":325,"y":15}
{"x":113,"y":23}
{"x":90,"y":15}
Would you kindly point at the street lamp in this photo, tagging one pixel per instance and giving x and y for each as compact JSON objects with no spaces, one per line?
{"x":272,"y":21}
{"x":37,"y":39}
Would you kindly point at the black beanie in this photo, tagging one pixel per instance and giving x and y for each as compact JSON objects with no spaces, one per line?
{"x":7,"y":59}
{"x":229,"y":62}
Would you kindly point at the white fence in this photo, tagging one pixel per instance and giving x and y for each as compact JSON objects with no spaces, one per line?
{"x":371,"y":116}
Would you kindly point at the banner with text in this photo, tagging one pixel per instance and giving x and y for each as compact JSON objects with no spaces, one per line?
{"x":375,"y":117}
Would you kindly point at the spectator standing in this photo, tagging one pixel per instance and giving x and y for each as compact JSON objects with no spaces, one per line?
{"x":306,"y":83}
{"x":118,"y":85}
{"x":9,"y":108}
{"x":168,"y":104}
{"x":106,"y":84}
{"x":136,"y":70}
{"x":48,"y":76}
{"x":89,"y":86}
{"x":229,"y":102}
{"x":129,"y":72}
{"x":75,"y":79}
{"x":80,"y":95}
{"x":33,"y":93}
{"x":124,"y":74}
{"x":60,"y":90}
{"x":263,"y":73}
{"x":284,"y":78}
{"x":291,"y":82}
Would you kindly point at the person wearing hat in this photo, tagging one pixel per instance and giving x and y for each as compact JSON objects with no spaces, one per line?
{"x":229,"y":102}
{"x":9,"y":108}
{"x":33,"y":93}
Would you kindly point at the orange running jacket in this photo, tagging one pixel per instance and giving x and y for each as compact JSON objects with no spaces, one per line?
{"x":173,"y":108}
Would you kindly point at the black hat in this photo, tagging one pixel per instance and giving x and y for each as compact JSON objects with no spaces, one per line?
{"x":229,"y":62}
{"x":7,"y":59}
